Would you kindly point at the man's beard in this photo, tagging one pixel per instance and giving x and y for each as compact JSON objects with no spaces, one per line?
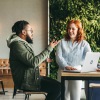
{"x":29,"y":40}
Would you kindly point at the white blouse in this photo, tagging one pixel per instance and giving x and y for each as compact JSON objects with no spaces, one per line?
{"x":68,"y":54}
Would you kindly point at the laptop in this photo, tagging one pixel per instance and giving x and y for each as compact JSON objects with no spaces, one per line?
{"x":90,"y":63}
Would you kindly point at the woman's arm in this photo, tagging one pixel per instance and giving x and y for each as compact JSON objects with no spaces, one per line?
{"x":59,"y":58}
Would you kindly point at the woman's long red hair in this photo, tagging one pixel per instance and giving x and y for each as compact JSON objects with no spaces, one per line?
{"x":80,"y":33}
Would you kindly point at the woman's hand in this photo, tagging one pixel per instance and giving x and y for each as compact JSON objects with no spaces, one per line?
{"x":54,"y":43}
{"x":70,"y":68}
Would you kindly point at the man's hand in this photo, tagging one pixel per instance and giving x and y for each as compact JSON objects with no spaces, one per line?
{"x":54,"y":43}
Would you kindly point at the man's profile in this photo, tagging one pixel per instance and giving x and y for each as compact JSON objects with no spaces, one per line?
{"x":24,"y":64}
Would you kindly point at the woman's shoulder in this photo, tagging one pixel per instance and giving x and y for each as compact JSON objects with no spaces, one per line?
{"x":63,"y":40}
{"x":84,"y":42}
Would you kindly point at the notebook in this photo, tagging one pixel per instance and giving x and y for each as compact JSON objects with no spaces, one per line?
{"x":90,"y":63}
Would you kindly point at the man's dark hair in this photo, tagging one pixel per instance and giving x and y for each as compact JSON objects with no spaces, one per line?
{"x":19,"y":26}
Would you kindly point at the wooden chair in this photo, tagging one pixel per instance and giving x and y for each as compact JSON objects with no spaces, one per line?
{"x":92,"y":86}
{"x":3,"y":91}
{"x":4,"y":70}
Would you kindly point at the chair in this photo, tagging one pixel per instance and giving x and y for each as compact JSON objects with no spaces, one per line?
{"x":16,"y":91}
{"x":4,"y":66}
{"x":92,"y":86}
{"x":3,"y":92}
{"x":27,"y":93}
{"x":4,"y":71}
{"x":43,"y":72}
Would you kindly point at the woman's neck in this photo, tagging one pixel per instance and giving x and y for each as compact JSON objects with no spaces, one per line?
{"x":73,"y":40}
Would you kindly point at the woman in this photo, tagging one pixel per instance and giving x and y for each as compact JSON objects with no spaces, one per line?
{"x":70,"y":55}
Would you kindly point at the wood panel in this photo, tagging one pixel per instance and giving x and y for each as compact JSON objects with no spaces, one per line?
{"x":7,"y":81}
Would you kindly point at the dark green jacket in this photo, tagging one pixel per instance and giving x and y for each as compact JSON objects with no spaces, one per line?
{"x":24,"y":64}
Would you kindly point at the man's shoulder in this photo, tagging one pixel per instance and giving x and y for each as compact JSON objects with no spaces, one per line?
{"x":18,"y":44}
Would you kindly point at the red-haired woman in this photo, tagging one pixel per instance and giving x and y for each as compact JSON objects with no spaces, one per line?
{"x":70,"y":55}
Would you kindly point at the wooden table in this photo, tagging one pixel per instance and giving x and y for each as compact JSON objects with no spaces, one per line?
{"x":77,"y":76}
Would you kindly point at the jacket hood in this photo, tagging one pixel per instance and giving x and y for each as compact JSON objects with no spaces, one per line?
{"x":12,"y":38}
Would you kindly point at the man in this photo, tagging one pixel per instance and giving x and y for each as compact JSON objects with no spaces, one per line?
{"x":24,"y":64}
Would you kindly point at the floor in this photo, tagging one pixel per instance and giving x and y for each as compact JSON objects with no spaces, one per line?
{"x":8,"y":96}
